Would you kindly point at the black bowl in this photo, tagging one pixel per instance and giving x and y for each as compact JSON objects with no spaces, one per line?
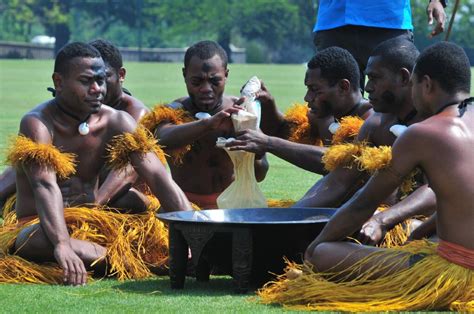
{"x":276,"y":233}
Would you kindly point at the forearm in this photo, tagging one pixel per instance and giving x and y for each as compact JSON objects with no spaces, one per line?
{"x":170,"y":195}
{"x":271,"y":120}
{"x":115,"y":184}
{"x":174,"y":136}
{"x":308,"y":157}
{"x":50,"y":210}
{"x":347,"y":220}
{"x":333,"y":189}
{"x":7,"y":184}
{"x":421,"y":202}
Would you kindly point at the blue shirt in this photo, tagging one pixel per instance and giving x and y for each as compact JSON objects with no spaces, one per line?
{"x":394,"y":14}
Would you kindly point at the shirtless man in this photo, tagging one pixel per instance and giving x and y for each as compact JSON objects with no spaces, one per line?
{"x":206,"y":170}
{"x":115,"y":188}
{"x":115,"y":191}
{"x":332,"y":80}
{"x":441,"y":83}
{"x":388,"y":70}
{"x":80,"y":82}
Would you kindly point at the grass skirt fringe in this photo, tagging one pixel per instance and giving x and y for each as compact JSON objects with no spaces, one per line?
{"x":121,"y":146}
{"x":348,"y":129}
{"x":134,"y":243}
{"x":24,"y":150}
{"x":432,"y":283}
{"x":299,"y":126}
{"x":164,"y":114}
{"x":280,"y":203}
{"x":9,"y":206}
{"x":14,"y":269}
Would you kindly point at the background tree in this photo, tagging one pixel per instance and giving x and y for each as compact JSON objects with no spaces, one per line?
{"x":277,"y":31}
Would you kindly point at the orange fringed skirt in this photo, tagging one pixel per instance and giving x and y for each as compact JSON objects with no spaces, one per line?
{"x":432,"y":283}
{"x":134,"y":243}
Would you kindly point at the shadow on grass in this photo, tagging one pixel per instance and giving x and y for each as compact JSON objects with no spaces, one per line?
{"x":216,"y":286}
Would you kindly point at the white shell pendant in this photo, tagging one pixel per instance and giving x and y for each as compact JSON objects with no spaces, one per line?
{"x":398,"y":129}
{"x":333,"y":127}
{"x":83,"y":128}
{"x":202,"y":115}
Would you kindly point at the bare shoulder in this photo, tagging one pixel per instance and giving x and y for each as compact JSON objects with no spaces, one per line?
{"x":37,"y":124}
{"x":370,"y":125}
{"x":421,"y":137}
{"x":134,"y":107}
{"x":118,"y":121}
{"x":180,"y":103}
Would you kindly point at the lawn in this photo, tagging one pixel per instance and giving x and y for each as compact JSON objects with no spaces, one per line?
{"x":23,"y":84}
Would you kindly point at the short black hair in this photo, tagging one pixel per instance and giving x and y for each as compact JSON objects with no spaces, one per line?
{"x":109,"y":52}
{"x":397,"y":53}
{"x":205,"y":50}
{"x":447,"y":64}
{"x":335,"y":64}
{"x":71,"y":51}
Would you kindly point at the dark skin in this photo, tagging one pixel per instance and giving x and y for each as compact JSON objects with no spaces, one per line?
{"x":40,"y":192}
{"x":206,"y":168}
{"x":435,"y":12}
{"x":446,"y":131}
{"x":115,"y":189}
{"x":326,"y":103}
{"x":420,"y":202}
{"x":390,"y":95}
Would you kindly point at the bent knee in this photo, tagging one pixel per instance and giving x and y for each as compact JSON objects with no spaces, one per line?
{"x":320,"y":256}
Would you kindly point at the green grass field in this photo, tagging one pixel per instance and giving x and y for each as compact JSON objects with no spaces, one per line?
{"x":23,"y":85}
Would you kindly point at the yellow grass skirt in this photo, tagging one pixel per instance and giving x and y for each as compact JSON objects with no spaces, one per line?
{"x":432,"y":283}
{"x":134,"y":244}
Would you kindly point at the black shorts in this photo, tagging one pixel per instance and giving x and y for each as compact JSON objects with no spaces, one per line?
{"x":358,"y":40}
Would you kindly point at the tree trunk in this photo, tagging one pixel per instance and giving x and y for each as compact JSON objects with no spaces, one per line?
{"x":62,"y":34}
{"x":224,"y":40}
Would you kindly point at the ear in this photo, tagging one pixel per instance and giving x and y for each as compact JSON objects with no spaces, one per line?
{"x":344,"y":85}
{"x":122,"y":73}
{"x":57,"y":80}
{"x":184,"y":72}
{"x":405,"y":76}
{"x":427,"y":85}
{"x":226,"y":73}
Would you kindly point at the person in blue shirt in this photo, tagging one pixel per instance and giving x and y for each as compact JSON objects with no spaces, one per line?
{"x":359,"y":26}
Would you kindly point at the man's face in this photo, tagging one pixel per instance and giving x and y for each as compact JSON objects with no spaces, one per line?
{"x":205,"y":81}
{"x":83,"y":87}
{"x":114,"y":80}
{"x":320,"y":96}
{"x":382,"y":86}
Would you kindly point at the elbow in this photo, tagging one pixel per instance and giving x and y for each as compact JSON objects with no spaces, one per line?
{"x":261,"y":169}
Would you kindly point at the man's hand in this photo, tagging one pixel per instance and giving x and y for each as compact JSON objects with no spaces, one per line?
{"x":435,"y":11}
{"x":264,"y":96}
{"x":251,"y":141}
{"x":372,"y":232}
{"x":73,"y":268}
{"x":221,"y":119}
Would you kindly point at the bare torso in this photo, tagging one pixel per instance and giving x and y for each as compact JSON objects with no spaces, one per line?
{"x":451,"y":174}
{"x":90,"y":152}
{"x":206,"y":169}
